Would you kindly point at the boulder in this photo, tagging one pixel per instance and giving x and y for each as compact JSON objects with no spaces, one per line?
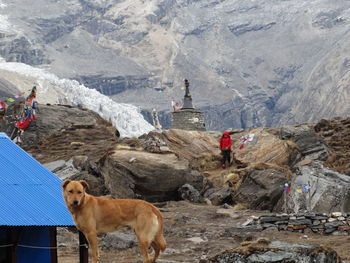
{"x":329,"y":190}
{"x":261,"y":189}
{"x":221,"y":196}
{"x":51,"y":118}
{"x":200,"y":148}
{"x":63,"y":169}
{"x":188,"y":192}
{"x":262,"y":251}
{"x":96,"y":184}
{"x":61,"y":132}
{"x":151,"y":176}
{"x":264,"y":148}
{"x":310,"y":144}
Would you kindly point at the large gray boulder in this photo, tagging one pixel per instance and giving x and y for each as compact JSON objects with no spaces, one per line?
{"x":53,"y":118}
{"x":221,"y":196}
{"x":188,"y":192}
{"x":329,"y":190}
{"x":310,"y":144}
{"x":154,"y":177}
{"x":261,"y":189}
{"x":277,"y":251}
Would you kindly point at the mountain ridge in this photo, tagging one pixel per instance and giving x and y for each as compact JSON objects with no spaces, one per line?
{"x":266,"y":58}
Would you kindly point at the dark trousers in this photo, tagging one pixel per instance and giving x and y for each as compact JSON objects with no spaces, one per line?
{"x":226,"y":156}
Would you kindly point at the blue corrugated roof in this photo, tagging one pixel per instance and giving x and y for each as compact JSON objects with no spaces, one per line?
{"x":30,"y":195}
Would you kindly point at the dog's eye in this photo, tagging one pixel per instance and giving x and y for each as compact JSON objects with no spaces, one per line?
{"x":79,"y":192}
{"x":71,"y":191}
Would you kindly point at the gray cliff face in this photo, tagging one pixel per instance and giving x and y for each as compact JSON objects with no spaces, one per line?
{"x":250,"y":63}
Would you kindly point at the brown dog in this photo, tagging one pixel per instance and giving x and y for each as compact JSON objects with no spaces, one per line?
{"x":95,"y":215}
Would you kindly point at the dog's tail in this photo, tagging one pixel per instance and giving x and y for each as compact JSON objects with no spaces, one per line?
{"x":161,"y":242}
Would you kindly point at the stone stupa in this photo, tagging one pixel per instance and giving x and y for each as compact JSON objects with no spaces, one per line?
{"x":188,"y":118}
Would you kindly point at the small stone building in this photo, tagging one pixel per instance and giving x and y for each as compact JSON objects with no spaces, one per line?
{"x":188,"y":118}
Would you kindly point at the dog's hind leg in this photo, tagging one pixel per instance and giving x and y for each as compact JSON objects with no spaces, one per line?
{"x":156,"y":250}
{"x":144,"y":245}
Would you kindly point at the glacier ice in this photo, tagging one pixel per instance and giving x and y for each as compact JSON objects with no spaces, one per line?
{"x":125,"y":117}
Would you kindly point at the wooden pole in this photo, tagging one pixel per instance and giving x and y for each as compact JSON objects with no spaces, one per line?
{"x":309,"y":195}
{"x":53,"y":244}
{"x":15,"y":233}
{"x":83,"y":250}
{"x":285,"y":201}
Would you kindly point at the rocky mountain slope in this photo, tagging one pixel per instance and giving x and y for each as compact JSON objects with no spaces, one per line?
{"x":250,"y":63}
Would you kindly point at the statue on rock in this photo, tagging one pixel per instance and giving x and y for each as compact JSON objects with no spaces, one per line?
{"x":187,"y":98}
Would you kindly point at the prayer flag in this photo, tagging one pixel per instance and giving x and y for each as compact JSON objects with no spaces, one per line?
{"x":9,"y":100}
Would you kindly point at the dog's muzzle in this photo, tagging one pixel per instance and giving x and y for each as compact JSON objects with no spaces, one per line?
{"x":75,"y":202}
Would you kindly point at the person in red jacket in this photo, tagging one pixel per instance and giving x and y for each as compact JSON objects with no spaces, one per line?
{"x":225,"y":147}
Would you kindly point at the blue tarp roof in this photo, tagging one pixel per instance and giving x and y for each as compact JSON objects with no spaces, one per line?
{"x":30,"y":195}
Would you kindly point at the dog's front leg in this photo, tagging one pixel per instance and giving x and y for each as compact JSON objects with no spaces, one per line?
{"x":92,"y":239}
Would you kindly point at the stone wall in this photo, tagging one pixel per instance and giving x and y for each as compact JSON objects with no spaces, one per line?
{"x":188,"y":119}
{"x":336,"y":223}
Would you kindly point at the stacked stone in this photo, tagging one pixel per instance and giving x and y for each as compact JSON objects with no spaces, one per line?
{"x":336,"y":223}
{"x":188,"y":119}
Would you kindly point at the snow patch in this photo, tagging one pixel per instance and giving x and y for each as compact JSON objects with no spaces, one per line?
{"x":5,"y":25}
{"x":125,"y":117}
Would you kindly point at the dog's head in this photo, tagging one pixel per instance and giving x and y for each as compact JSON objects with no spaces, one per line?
{"x":74,"y":192}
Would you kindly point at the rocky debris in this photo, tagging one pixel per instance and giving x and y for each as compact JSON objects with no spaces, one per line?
{"x":118,"y":240}
{"x":65,"y":237}
{"x":153,"y":142}
{"x":261,"y":189}
{"x":62,"y":169}
{"x":154,"y":177}
{"x":276,"y":251}
{"x":336,"y":223}
{"x":329,"y":190}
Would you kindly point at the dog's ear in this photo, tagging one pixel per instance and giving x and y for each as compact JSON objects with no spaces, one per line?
{"x":84,"y":184}
{"x":65,"y":183}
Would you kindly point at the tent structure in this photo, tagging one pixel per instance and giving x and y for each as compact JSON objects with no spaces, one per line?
{"x":31,"y":207}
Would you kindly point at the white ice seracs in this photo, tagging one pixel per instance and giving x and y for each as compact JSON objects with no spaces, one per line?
{"x":125,"y":117}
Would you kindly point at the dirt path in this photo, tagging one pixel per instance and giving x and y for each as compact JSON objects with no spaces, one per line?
{"x":198,"y":231}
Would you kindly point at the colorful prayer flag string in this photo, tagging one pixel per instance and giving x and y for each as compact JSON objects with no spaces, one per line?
{"x":304,"y":189}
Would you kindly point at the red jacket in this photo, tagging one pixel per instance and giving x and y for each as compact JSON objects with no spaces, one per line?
{"x":225,"y":141}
